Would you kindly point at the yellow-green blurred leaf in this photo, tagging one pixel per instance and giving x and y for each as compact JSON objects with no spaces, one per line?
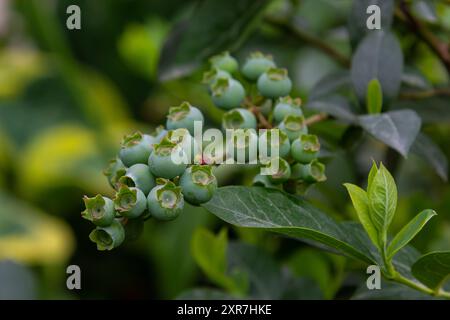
{"x":30,"y":236}
{"x":140,"y":46}
{"x":17,"y":67}
{"x":59,"y":156}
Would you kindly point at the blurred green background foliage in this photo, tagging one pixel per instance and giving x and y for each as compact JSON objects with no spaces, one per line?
{"x":68,"y":96}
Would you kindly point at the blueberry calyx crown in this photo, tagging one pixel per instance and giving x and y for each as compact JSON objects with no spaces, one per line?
{"x":179,"y":112}
{"x":277,"y":74}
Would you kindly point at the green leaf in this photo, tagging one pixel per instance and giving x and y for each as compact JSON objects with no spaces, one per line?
{"x":433,"y":269}
{"x":210,"y":252}
{"x":374,"y":98}
{"x":26,"y":232}
{"x":262,"y":270}
{"x":175,"y":273}
{"x":397,"y":129}
{"x":361,"y":204}
{"x":389,"y":291}
{"x":379,"y":56}
{"x":335,"y":106}
{"x":330,"y":84}
{"x":357,"y":22}
{"x":372,"y":173}
{"x":409,"y":231}
{"x":425,"y":10}
{"x":427,"y":149}
{"x":227,"y":23}
{"x":279,"y":212}
{"x":314,"y":265}
{"x":382,"y":196}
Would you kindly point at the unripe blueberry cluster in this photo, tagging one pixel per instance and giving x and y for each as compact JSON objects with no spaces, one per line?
{"x":149,"y":184}
{"x":298,"y":151}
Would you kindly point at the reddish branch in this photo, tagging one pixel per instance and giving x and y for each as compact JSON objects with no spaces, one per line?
{"x":263,"y":122}
{"x":316,"y":118}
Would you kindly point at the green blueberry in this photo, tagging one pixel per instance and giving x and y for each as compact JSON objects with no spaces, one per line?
{"x":305,"y":148}
{"x":189,"y":146}
{"x":198,"y":184}
{"x":99,"y":210}
{"x":293,"y":126}
{"x":168,"y":160}
{"x":274,"y":83}
{"x":183,"y":116}
{"x":211,"y":76}
{"x":242,"y":146}
{"x":108,"y":238}
{"x":139,"y":176}
{"x":262,"y":181}
{"x":130,"y":202}
{"x":136,"y":148}
{"x":214,"y":151}
{"x":227,"y":93}
{"x":160,"y":133}
{"x":287,"y":106}
{"x":310,"y":173}
{"x":268,"y":140}
{"x":256,"y":64}
{"x":282,"y":174}
{"x":165,"y":201}
{"x":115,"y":170}
{"x":239,"y":119}
{"x":225,"y":62}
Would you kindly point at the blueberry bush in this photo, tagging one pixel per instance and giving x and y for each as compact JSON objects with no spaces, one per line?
{"x":351,"y":102}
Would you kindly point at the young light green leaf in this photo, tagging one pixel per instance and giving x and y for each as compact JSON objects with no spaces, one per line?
{"x":433,"y":269}
{"x":361,"y":204}
{"x":382,"y":196}
{"x":372,"y":173}
{"x":374,"y":97}
{"x":409,"y":232}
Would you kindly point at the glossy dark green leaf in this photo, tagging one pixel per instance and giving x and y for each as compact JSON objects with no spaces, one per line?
{"x":432,"y":154}
{"x":357,"y":22}
{"x":409,"y":231}
{"x":397,"y":129}
{"x":413,"y":78}
{"x":330,"y":85}
{"x":431,"y":110}
{"x":433,"y":269}
{"x":276,"y":211}
{"x":426,"y":10}
{"x":226,"y":22}
{"x":378,"y":56}
{"x":336,"y":106}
